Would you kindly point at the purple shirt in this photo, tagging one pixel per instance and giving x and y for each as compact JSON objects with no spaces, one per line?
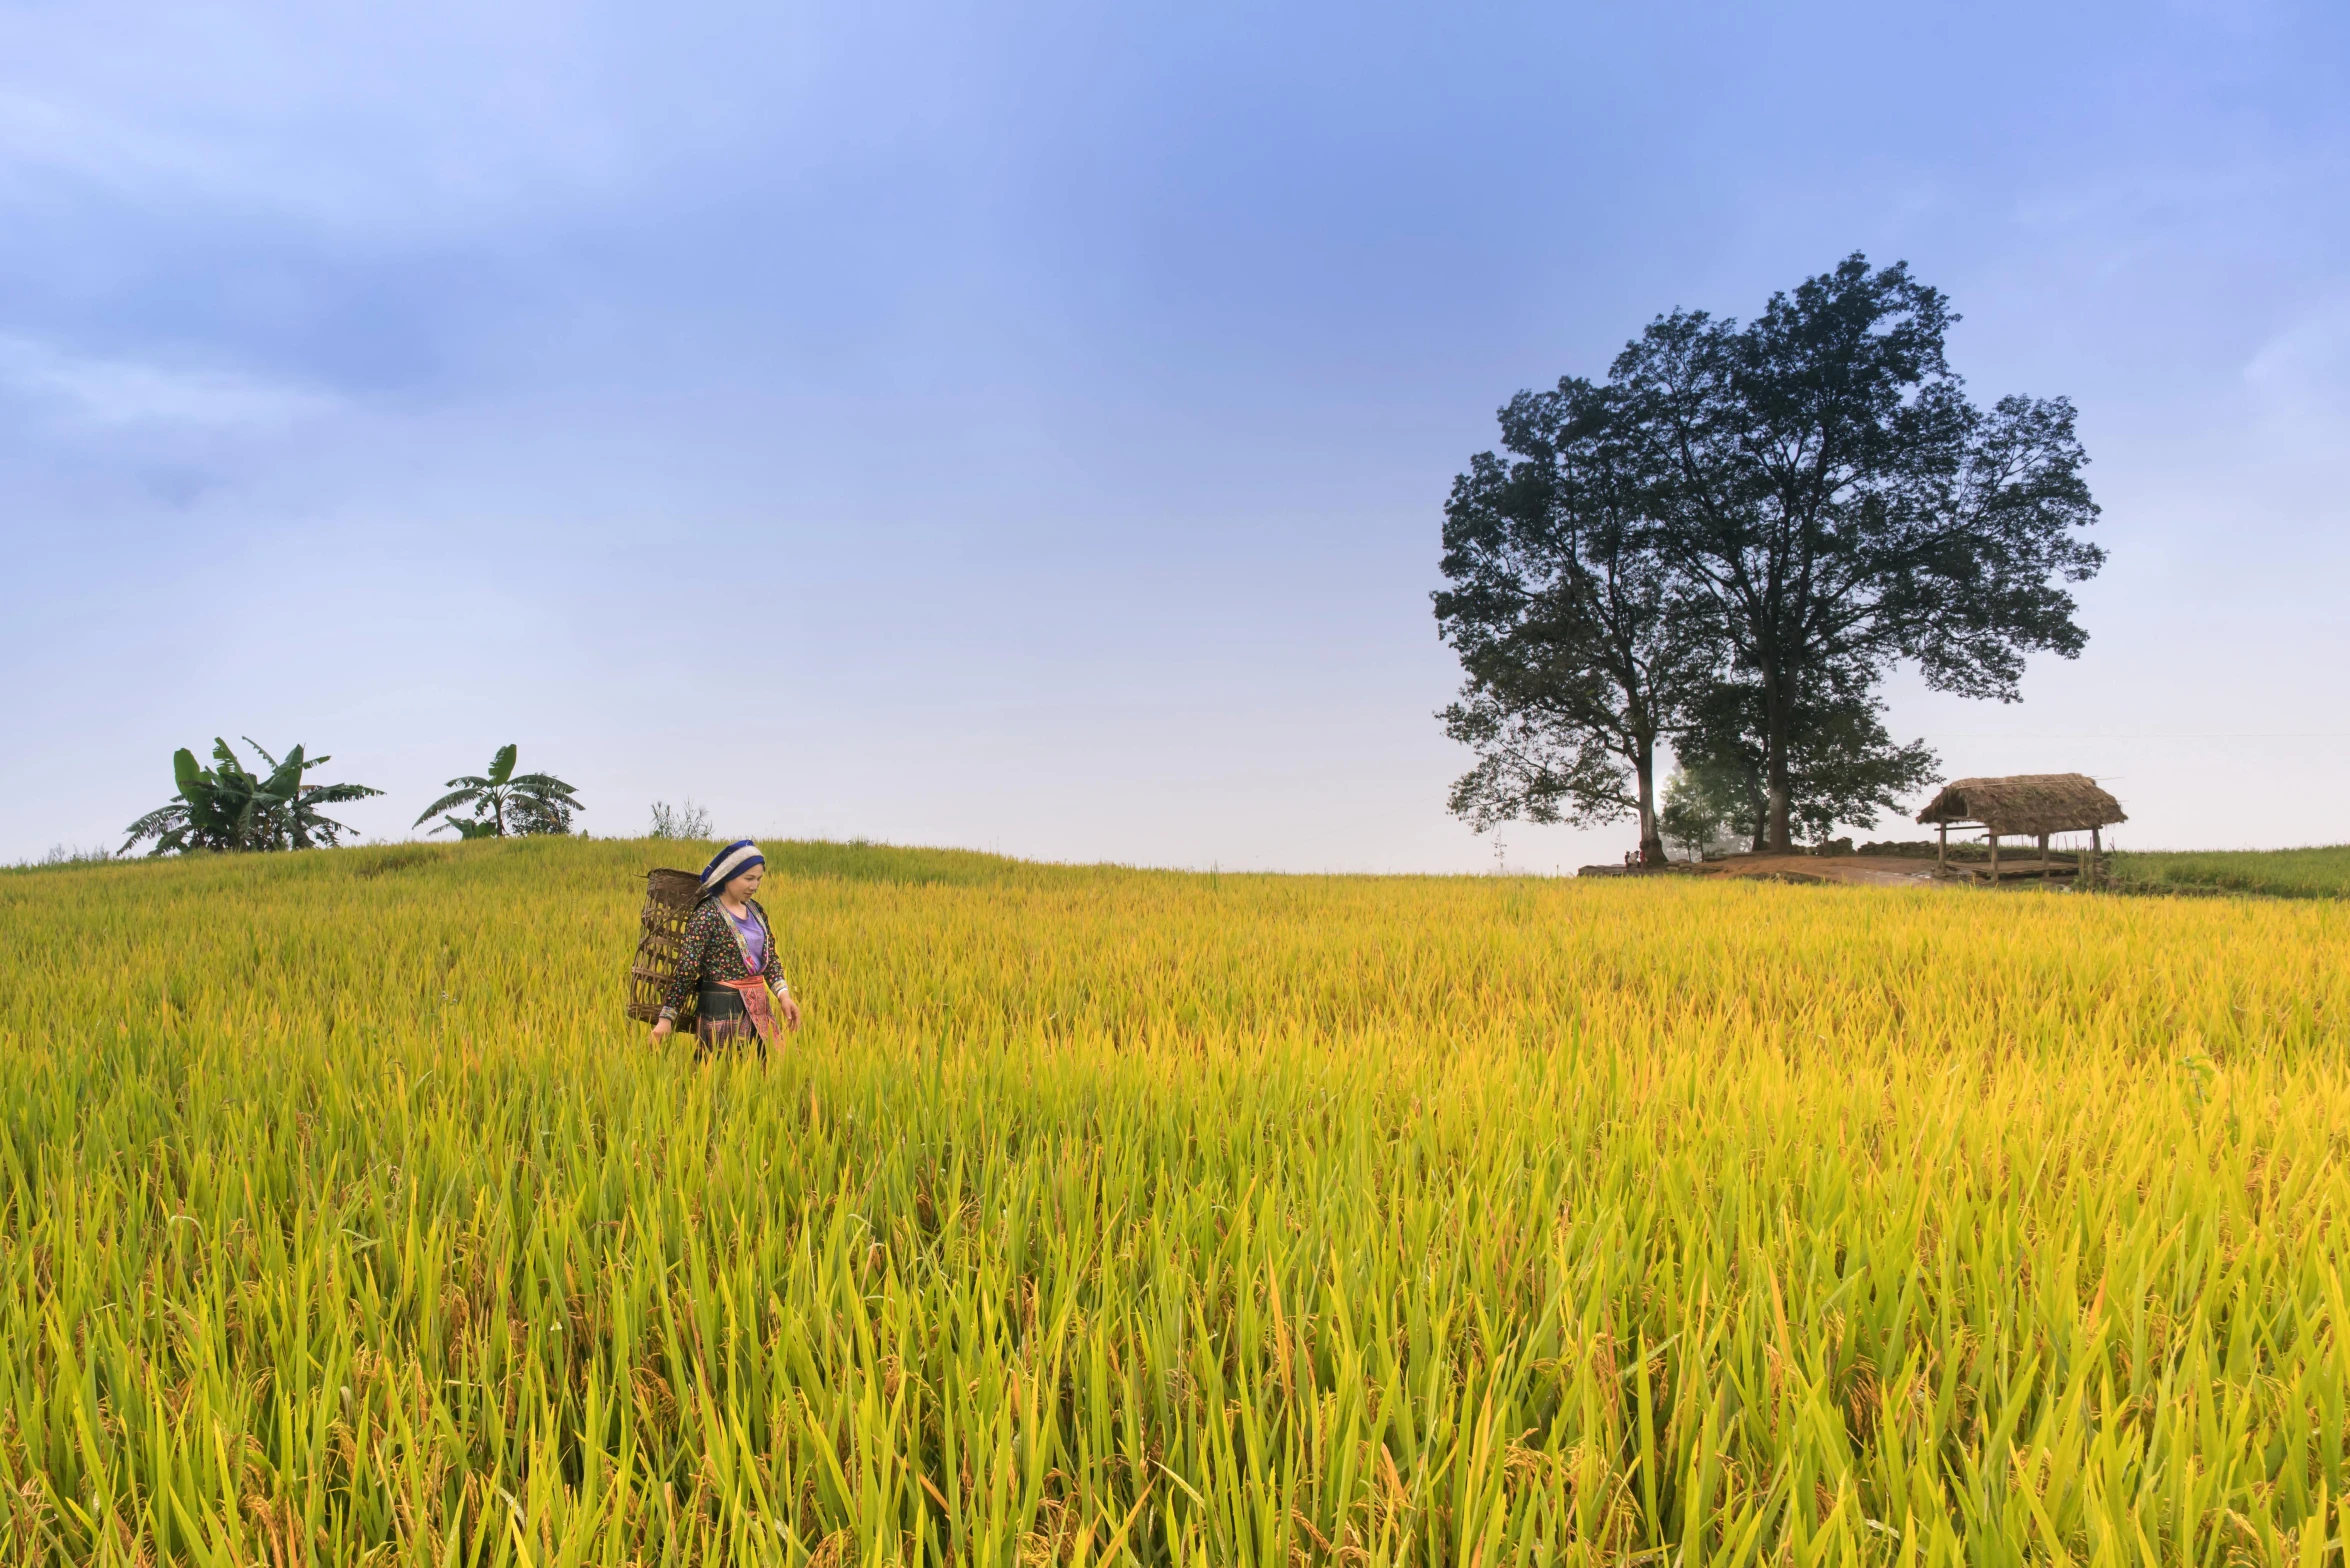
{"x":753,"y":934}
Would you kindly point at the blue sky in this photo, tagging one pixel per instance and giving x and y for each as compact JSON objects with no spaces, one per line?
{"x":1026,"y":427}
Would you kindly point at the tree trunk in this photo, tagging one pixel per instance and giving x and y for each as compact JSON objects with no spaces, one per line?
{"x":1652,"y":841}
{"x":1780,"y":840}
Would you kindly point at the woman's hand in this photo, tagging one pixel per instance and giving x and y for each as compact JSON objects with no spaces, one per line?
{"x":662,"y":1031}
{"x":791,"y":1011}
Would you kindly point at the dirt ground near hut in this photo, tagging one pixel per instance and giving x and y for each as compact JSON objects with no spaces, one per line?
{"x":1853,"y":870}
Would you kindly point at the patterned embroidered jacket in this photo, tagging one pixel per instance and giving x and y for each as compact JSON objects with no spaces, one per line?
{"x":713,"y":954}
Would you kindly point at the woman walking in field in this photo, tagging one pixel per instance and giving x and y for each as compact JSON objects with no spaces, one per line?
{"x":729,"y":960}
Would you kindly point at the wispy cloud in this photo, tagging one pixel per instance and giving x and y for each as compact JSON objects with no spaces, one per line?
{"x":415,"y":121}
{"x":127,"y":392}
{"x":2308,"y":363}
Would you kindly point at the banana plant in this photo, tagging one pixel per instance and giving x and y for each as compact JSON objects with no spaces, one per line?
{"x":228,"y":807}
{"x":505,"y":802}
{"x":294,"y":805}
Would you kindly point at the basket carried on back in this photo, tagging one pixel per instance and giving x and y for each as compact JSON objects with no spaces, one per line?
{"x":669,"y":904}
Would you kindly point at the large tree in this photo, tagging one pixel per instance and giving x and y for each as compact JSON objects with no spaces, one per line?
{"x":1563,"y":610}
{"x":1819,"y":479}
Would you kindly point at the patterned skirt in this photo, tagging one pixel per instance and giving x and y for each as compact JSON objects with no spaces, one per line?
{"x":723,"y":1022}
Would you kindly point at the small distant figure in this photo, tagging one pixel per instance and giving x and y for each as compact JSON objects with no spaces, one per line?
{"x":729,"y":960}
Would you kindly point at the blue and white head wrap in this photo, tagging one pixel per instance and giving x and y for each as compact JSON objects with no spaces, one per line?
{"x":729,"y":863}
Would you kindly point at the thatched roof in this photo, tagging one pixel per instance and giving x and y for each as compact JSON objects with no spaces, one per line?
{"x":2031,"y":803}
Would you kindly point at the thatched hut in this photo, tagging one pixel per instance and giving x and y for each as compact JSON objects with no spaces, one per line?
{"x":2028,"y":805}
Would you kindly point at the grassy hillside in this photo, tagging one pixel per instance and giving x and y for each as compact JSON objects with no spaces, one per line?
{"x":2322,"y":872}
{"x":1104,"y":1215}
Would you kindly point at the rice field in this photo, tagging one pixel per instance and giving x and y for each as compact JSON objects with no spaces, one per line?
{"x":1106,"y":1216}
{"x":2316,"y":872}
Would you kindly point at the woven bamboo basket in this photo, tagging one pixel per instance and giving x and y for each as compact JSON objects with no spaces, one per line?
{"x":669,"y":904}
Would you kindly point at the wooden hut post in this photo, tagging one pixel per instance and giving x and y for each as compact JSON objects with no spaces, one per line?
{"x":1942,"y":847}
{"x":2046,"y":870}
{"x":2096,"y":852}
{"x":1994,"y":857}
